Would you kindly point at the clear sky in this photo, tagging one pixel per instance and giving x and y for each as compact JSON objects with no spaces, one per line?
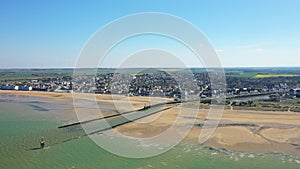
{"x":244,"y":32}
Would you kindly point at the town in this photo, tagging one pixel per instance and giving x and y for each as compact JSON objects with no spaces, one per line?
{"x":157,"y":84}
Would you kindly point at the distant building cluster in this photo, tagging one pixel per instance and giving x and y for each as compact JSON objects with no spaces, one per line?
{"x":63,"y":84}
{"x":159,"y":83}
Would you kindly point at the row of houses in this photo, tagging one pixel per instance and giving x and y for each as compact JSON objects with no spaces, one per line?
{"x":12,"y":87}
{"x":59,"y":89}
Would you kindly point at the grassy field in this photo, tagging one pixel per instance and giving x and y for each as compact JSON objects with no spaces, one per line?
{"x":275,"y":75}
{"x":241,"y":74}
{"x":23,"y":74}
{"x":33,"y":74}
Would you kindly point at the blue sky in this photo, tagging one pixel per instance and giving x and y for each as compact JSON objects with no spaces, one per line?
{"x":244,"y":33}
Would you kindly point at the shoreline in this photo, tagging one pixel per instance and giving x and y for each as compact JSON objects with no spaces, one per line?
{"x":273,"y":131}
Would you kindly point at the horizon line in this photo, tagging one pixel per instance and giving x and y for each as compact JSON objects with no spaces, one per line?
{"x":225,"y":67}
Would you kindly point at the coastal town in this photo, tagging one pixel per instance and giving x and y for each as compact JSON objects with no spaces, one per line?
{"x":157,"y":84}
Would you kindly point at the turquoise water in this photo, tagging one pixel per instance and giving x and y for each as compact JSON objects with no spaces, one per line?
{"x":22,"y":125}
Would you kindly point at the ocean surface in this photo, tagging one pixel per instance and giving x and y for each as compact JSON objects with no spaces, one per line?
{"x":24,"y":121}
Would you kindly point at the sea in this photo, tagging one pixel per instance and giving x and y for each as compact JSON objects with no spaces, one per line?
{"x":24,"y":120}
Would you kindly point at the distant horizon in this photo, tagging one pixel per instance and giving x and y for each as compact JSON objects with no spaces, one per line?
{"x":236,"y":67}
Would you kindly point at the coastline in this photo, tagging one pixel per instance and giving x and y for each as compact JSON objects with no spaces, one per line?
{"x":271,"y":131}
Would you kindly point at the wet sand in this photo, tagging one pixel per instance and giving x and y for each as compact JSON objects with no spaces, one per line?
{"x":239,"y":130}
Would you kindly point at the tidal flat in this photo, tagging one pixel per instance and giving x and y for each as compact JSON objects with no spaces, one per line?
{"x":25,"y":118}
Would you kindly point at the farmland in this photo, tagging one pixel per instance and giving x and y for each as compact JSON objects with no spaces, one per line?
{"x":275,"y":75}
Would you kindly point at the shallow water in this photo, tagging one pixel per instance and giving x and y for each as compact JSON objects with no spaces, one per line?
{"x":251,"y":98}
{"x":22,"y":125}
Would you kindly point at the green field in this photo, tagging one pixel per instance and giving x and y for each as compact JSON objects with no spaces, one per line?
{"x":23,"y":74}
{"x":245,"y":75}
{"x":275,"y":75}
{"x":33,"y":74}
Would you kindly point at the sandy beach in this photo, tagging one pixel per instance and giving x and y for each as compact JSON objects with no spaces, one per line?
{"x":239,"y":130}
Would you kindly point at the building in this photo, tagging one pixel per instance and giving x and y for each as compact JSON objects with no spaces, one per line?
{"x":295,"y":92}
{"x":298,"y":93}
{"x":292,"y":92}
{"x":16,"y":87}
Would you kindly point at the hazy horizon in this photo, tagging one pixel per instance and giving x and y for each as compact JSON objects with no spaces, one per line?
{"x":241,"y":67}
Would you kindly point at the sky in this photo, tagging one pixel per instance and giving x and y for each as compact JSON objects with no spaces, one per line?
{"x":247,"y":33}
